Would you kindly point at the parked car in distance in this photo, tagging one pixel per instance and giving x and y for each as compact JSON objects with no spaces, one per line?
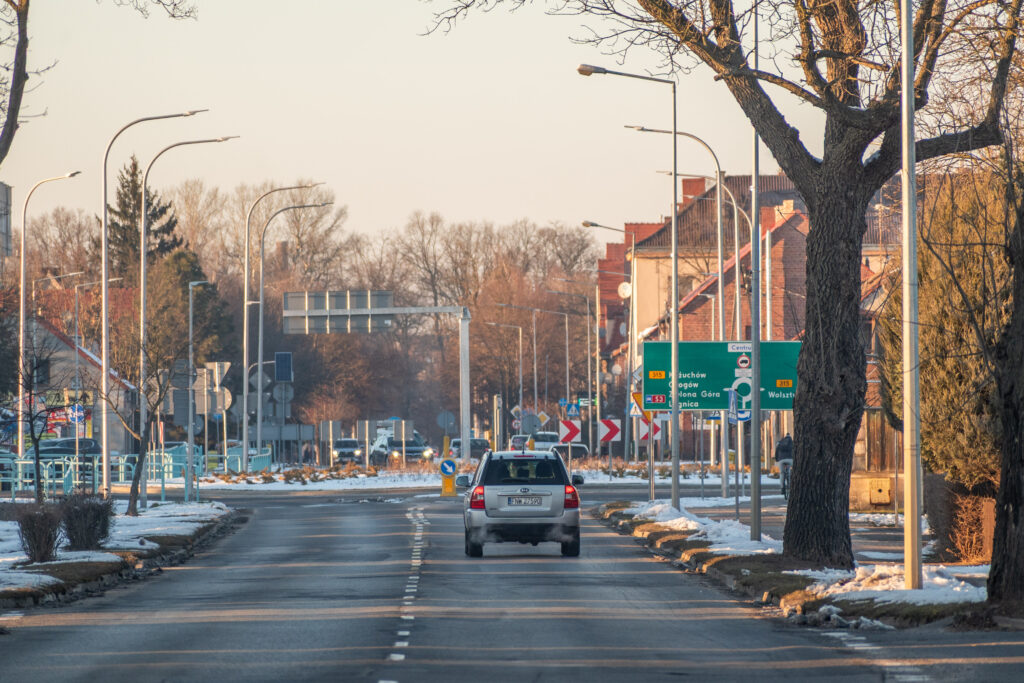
{"x":543,"y":441}
{"x":389,"y":449}
{"x":578,"y":450}
{"x":518,"y":442}
{"x":65,"y":446}
{"x":524,"y":497}
{"x":346,"y":450}
{"x":478,"y":448}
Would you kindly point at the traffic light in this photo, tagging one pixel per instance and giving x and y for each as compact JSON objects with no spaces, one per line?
{"x":746,"y":279}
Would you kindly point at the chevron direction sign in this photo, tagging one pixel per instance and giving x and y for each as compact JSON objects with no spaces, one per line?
{"x":609,"y":430}
{"x":568,"y":430}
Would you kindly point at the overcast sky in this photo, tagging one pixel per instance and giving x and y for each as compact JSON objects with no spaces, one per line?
{"x":488,"y":122}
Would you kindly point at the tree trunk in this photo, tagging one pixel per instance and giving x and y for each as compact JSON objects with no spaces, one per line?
{"x":831,"y":375}
{"x":38,"y":469}
{"x":1006,"y":577}
{"x":140,"y":467}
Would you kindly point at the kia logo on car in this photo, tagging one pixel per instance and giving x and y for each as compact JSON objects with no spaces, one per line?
{"x":524,"y":490}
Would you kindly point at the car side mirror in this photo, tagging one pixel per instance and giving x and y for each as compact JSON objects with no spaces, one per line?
{"x":577,"y":480}
{"x":462,"y":481}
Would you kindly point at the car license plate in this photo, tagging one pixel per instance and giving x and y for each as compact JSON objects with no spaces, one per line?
{"x":524,"y":500}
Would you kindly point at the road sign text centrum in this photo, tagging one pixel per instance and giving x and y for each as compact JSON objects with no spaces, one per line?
{"x":707,"y":370}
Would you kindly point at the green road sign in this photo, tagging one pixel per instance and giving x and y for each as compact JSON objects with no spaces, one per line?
{"x":707,"y":370}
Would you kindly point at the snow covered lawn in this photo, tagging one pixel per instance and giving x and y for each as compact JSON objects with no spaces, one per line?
{"x":881,"y":582}
{"x":127,"y":533}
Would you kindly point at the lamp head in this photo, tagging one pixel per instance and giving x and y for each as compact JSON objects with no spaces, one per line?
{"x":193,"y":112}
{"x":590,"y":224}
{"x":226,"y":137}
{"x":73,"y":174}
{"x":589,"y":70}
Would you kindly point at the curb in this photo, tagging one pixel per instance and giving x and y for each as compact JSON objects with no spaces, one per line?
{"x":144,"y":568}
{"x":641,"y":531}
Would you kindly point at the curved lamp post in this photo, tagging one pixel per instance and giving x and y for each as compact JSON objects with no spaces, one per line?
{"x":721,"y":291}
{"x":632,"y":333}
{"x":259,"y":351}
{"x":143,"y":252}
{"x":590,"y":377}
{"x":189,"y":451}
{"x":22,"y":408}
{"x":245,"y":326}
{"x":105,"y":299}
{"x":520,"y":328}
{"x":587,"y":70}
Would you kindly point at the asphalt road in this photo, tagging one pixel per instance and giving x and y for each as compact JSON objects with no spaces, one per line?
{"x":329,"y":587}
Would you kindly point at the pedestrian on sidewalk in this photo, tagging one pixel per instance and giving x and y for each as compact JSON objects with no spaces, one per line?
{"x":307,"y":453}
{"x":784,"y":459}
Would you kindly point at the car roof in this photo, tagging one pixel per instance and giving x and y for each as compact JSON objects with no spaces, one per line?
{"x":509,"y":455}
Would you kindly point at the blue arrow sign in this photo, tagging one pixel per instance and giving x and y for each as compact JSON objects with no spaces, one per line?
{"x":447,"y":467}
{"x":562,"y":403}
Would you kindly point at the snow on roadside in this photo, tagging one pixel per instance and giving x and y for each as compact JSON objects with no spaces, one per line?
{"x":161,"y":519}
{"x":727,"y":537}
{"x":885,"y":583}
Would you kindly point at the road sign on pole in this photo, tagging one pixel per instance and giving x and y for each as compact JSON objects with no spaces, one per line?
{"x":646,"y":430}
{"x":568,"y":430}
{"x":707,"y":370}
{"x":609,"y":430}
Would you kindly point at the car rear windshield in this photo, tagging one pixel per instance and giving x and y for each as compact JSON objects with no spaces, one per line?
{"x":545,"y":436}
{"x":524,"y":471}
{"x":346,"y":443}
{"x":409,"y":443}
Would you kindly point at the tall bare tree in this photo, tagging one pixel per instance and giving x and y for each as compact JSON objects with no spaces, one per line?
{"x":847,"y":58}
{"x":14,"y":37}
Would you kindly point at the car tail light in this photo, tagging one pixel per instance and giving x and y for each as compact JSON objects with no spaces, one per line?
{"x":572,"y":499}
{"x":476,"y":500}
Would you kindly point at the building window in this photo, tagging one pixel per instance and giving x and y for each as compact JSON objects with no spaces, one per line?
{"x":41,"y":376}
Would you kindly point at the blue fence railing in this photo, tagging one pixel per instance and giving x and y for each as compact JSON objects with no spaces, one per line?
{"x":65,"y":474}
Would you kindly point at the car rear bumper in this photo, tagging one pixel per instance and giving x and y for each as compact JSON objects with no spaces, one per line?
{"x":560,"y":528}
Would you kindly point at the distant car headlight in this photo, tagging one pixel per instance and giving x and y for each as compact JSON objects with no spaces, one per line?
{"x":396,"y":454}
{"x":428,"y":452}
{"x":358,"y":451}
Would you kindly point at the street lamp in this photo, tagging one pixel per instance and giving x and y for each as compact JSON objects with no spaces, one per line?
{"x":245,"y":325}
{"x":259,"y":351}
{"x":78,"y":376}
{"x":105,"y":312}
{"x":144,"y":243}
{"x":525,"y":308}
{"x":189,"y":465}
{"x":675,"y":285}
{"x":587,"y":70}
{"x":520,"y":328}
{"x":22,"y":408}
{"x":631,"y":354}
{"x":590,"y":377}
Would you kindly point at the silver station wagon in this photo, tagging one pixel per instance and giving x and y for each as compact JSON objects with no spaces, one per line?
{"x":524,"y":497}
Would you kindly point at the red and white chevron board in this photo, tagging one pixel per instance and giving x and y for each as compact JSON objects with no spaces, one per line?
{"x":644,"y":430}
{"x":609,"y":430}
{"x":568,"y":430}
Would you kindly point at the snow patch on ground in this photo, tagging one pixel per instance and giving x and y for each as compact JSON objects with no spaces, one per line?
{"x":883,"y":582}
{"x":160,"y":519}
{"x":727,"y":537}
{"x":886,"y":583}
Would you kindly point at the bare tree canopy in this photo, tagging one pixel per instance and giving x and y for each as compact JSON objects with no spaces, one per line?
{"x":14,"y":37}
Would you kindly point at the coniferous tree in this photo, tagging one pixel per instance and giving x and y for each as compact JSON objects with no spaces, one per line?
{"x":123,"y":233}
